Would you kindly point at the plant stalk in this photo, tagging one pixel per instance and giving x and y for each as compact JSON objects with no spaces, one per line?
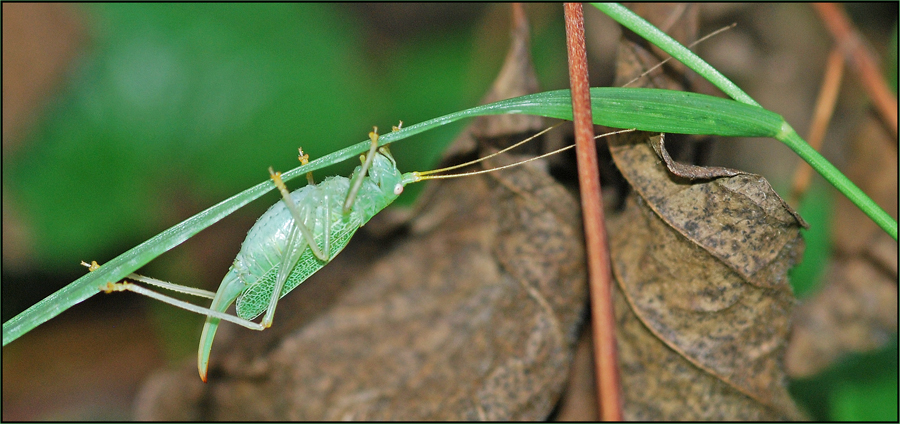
{"x":599,"y":270}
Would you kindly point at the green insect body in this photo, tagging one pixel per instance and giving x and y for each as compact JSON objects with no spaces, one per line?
{"x":275,"y":245}
{"x":295,"y":238}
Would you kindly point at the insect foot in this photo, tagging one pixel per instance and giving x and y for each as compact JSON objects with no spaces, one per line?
{"x":93,"y":266}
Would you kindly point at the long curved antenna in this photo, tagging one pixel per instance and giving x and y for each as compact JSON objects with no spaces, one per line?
{"x":422,"y":176}
{"x":472,"y":162}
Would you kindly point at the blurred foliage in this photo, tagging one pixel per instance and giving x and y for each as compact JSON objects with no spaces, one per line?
{"x":173,"y":107}
{"x":863,"y":387}
{"x":817,"y":208}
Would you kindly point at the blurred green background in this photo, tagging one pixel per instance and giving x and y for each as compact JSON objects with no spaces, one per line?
{"x":166,"y":107}
{"x":138,"y":116}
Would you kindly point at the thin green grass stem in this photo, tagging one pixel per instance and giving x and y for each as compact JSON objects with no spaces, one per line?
{"x":831,"y":174}
{"x":645,"y":29}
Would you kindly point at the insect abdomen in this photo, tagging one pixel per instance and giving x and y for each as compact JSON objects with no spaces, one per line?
{"x":253,"y":302}
{"x":262,"y":252}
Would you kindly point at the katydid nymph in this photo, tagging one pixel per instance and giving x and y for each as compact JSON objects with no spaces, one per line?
{"x":296,"y":237}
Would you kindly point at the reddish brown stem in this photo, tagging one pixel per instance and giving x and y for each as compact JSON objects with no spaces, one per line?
{"x":599,"y":271}
{"x":858,"y":56}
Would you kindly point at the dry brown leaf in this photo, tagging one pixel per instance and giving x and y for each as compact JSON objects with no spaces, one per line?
{"x":686,"y":170}
{"x":703,"y":268}
{"x":472,"y":316}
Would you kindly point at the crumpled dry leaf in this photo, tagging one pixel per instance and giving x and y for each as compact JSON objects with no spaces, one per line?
{"x":472,"y":316}
{"x":686,"y":170}
{"x":702,"y":267}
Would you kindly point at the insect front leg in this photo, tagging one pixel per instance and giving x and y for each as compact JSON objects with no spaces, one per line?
{"x":358,"y":178}
{"x":304,"y":160}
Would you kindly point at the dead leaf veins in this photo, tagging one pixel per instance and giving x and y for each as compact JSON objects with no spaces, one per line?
{"x":707,"y":305}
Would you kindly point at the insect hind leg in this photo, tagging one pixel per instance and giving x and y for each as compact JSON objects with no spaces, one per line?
{"x":295,"y":246}
{"x":193,"y":291}
{"x":128,"y":286}
{"x":293,"y":250}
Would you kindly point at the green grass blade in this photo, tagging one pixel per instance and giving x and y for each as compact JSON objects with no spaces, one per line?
{"x":789,"y":137}
{"x":658,"y":110}
{"x":651,"y":33}
{"x":641,"y":108}
{"x":831,"y":174}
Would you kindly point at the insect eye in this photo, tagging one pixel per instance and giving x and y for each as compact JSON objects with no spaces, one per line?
{"x":398,"y":189}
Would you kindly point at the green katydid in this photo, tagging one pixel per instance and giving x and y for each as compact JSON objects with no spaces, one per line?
{"x":296,"y":237}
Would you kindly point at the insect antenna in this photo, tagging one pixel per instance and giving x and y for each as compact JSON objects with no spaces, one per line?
{"x":472,"y":162}
{"x":426,"y":175}
{"x":706,"y":37}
